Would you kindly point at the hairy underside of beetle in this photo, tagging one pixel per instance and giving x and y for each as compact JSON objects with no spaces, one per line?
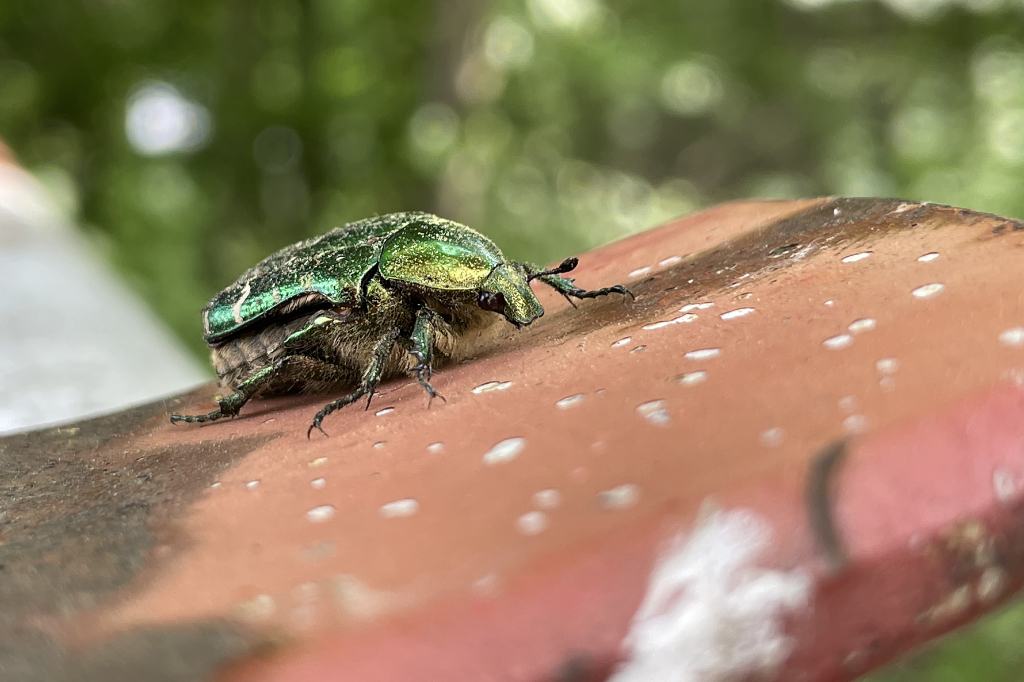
{"x":337,"y":356}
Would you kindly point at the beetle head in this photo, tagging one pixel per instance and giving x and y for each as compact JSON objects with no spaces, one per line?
{"x":507,"y":291}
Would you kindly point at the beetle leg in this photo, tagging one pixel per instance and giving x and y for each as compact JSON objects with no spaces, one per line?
{"x":367,"y":386}
{"x":565,"y":286}
{"x":423,"y":349}
{"x":229,"y":406}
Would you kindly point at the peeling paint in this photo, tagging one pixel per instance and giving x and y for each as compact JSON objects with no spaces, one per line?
{"x":710,"y":613}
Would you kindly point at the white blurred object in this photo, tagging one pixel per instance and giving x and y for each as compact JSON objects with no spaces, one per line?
{"x":159,"y":120}
{"x":74,"y":341}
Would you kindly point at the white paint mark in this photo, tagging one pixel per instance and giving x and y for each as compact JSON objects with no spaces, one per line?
{"x":887,"y":365}
{"x":773,"y":437}
{"x":237,"y":308}
{"x":856,"y":257}
{"x":215,"y":484}
{"x":703,"y":354}
{"x":639,"y":349}
{"x":399,"y":508}
{"x":928,"y":290}
{"x":547,"y":499}
{"x":655,"y":412}
{"x":319,"y":461}
{"x":622,"y":342}
{"x":865,"y":324}
{"x":505,"y":451}
{"x":693,"y":378}
{"x":830,"y":303}
{"x":492,"y":386}
{"x":887,"y":384}
{"x":739,"y":312}
{"x":682,"y":319}
{"x":386,"y":410}
{"x":379,"y":445}
{"x":855,"y":424}
{"x":695,"y":306}
{"x":991,"y":584}
{"x":1004,"y":485}
{"x":258,"y":608}
{"x":848,"y":403}
{"x":621,"y":496}
{"x":710,"y":613}
{"x":435,"y":448}
{"x":671,"y":260}
{"x":570,"y":401}
{"x":1014,"y":338}
{"x":928,"y":257}
{"x":320,"y":514}
{"x":318,"y":483}
{"x":251,"y":485}
{"x":532,"y":523}
{"x":640,"y":272}
{"x":838,"y":342}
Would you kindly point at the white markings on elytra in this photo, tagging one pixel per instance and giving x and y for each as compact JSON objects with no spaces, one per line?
{"x":237,"y":308}
{"x":838,"y":342}
{"x":1014,"y":338}
{"x":505,"y":451}
{"x":570,"y":401}
{"x":928,"y":257}
{"x":655,"y":412}
{"x":856,"y":257}
{"x":547,"y":499}
{"x":865,"y":324}
{"x":622,"y":342}
{"x":532,"y":523}
{"x":621,"y":496}
{"x":739,"y":312}
{"x":492,"y":386}
{"x":703,"y":354}
{"x":320,"y":514}
{"x":928,"y":290}
{"x":693,"y":378}
{"x":711,"y":612}
{"x":399,"y":508}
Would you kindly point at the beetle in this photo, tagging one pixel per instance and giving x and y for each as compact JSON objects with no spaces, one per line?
{"x":379,"y":297}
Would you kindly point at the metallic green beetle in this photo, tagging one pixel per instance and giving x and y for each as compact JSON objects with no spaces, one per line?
{"x":371,"y":299}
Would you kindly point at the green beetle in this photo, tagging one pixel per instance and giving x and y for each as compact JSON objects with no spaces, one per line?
{"x":371,"y":299}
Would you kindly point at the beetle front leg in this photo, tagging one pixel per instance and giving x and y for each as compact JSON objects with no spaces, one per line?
{"x":367,"y":386}
{"x":422,"y":338}
{"x":565,"y":286}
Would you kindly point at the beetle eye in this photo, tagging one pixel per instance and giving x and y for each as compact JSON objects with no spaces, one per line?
{"x":494,"y":302}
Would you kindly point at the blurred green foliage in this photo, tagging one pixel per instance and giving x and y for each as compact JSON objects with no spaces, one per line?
{"x":192,"y":138}
{"x":552,"y":125}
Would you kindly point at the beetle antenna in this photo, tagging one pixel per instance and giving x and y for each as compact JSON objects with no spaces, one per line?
{"x":568,"y":265}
